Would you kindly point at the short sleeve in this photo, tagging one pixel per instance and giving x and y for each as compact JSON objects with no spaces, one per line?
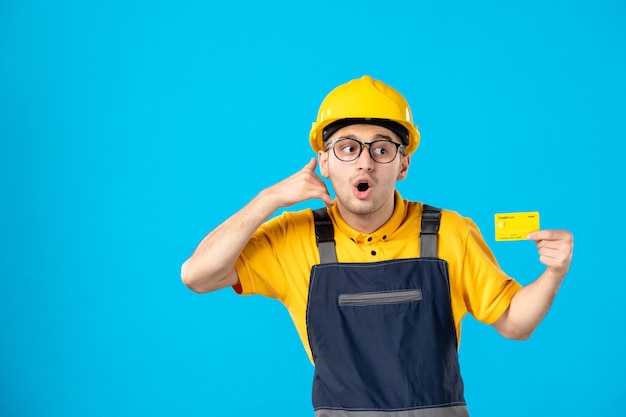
{"x":259,"y":260}
{"x":488,"y":290}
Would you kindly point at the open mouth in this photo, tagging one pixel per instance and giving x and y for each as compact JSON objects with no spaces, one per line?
{"x":362,"y":186}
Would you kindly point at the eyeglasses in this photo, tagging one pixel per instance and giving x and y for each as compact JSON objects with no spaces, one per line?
{"x":381,"y":151}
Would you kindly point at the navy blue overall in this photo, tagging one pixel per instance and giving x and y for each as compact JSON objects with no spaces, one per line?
{"x":382,"y":334}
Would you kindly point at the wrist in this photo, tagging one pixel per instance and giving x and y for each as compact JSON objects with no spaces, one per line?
{"x":553,"y":278}
{"x":265,"y":203}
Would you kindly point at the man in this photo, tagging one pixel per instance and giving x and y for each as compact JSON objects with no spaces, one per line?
{"x":376,"y":285}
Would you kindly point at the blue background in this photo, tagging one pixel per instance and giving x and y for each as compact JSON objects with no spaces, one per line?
{"x":129,"y":129}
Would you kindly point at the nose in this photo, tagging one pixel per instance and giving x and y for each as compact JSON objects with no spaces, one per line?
{"x":365,"y":161}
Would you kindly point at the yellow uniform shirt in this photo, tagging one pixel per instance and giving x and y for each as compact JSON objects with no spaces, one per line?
{"x":277,"y":260}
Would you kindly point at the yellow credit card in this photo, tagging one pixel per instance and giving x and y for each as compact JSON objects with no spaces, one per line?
{"x":516,"y":226}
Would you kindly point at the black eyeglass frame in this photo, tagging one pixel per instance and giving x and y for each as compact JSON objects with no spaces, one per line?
{"x":332,"y":143}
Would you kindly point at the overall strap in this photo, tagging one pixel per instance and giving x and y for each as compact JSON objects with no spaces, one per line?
{"x":431,"y":217}
{"x":324,"y":236}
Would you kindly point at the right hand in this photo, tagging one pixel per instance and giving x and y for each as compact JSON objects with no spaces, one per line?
{"x":301,"y":186}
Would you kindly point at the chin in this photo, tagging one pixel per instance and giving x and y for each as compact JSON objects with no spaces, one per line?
{"x":361,"y":207}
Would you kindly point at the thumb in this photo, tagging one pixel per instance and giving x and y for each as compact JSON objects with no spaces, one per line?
{"x":311,"y":164}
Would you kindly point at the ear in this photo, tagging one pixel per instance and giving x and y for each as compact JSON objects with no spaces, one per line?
{"x":404,"y":167}
{"x":322,"y":158}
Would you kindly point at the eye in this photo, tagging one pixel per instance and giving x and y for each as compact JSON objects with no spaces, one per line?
{"x":382,"y":148}
{"x":347,"y":147}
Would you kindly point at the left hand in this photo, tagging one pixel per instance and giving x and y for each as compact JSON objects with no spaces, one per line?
{"x":555,"y":249}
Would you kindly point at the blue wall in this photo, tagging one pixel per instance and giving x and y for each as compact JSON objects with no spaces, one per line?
{"x":128,"y":129}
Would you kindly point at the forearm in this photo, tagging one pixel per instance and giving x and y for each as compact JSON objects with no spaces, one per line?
{"x":212,"y":264}
{"x":529,"y":306}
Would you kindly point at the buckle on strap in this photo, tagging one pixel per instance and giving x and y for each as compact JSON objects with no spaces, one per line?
{"x":324,"y":236}
{"x":431,"y":218}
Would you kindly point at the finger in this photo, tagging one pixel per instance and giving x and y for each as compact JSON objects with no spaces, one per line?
{"x":562,"y":245}
{"x":553,"y":253}
{"x":327,"y":199}
{"x":310,"y":166}
{"x":322,"y":192}
{"x":556,"y":253}
{"x":558,"y":266}
{"x":563,"y":235}
{"x":555,"y":260}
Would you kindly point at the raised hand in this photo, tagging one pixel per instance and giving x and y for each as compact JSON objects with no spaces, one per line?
{"x":302,"y":186}
{"x":555,"y":249}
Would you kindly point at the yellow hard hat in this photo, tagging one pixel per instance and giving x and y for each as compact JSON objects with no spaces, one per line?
{"x":365,"y":100}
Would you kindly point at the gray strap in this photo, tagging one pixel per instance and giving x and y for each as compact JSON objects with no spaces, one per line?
{"x":431,"y":217}
{"x":325,"y":236}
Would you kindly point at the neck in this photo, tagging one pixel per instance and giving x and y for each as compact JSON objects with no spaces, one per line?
{"x":367,"y":222}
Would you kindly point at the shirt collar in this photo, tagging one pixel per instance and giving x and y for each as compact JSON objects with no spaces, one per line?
{"x":383,"y":233}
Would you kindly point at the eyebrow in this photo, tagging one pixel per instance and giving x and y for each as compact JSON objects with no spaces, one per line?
{"x":378,"y":136}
